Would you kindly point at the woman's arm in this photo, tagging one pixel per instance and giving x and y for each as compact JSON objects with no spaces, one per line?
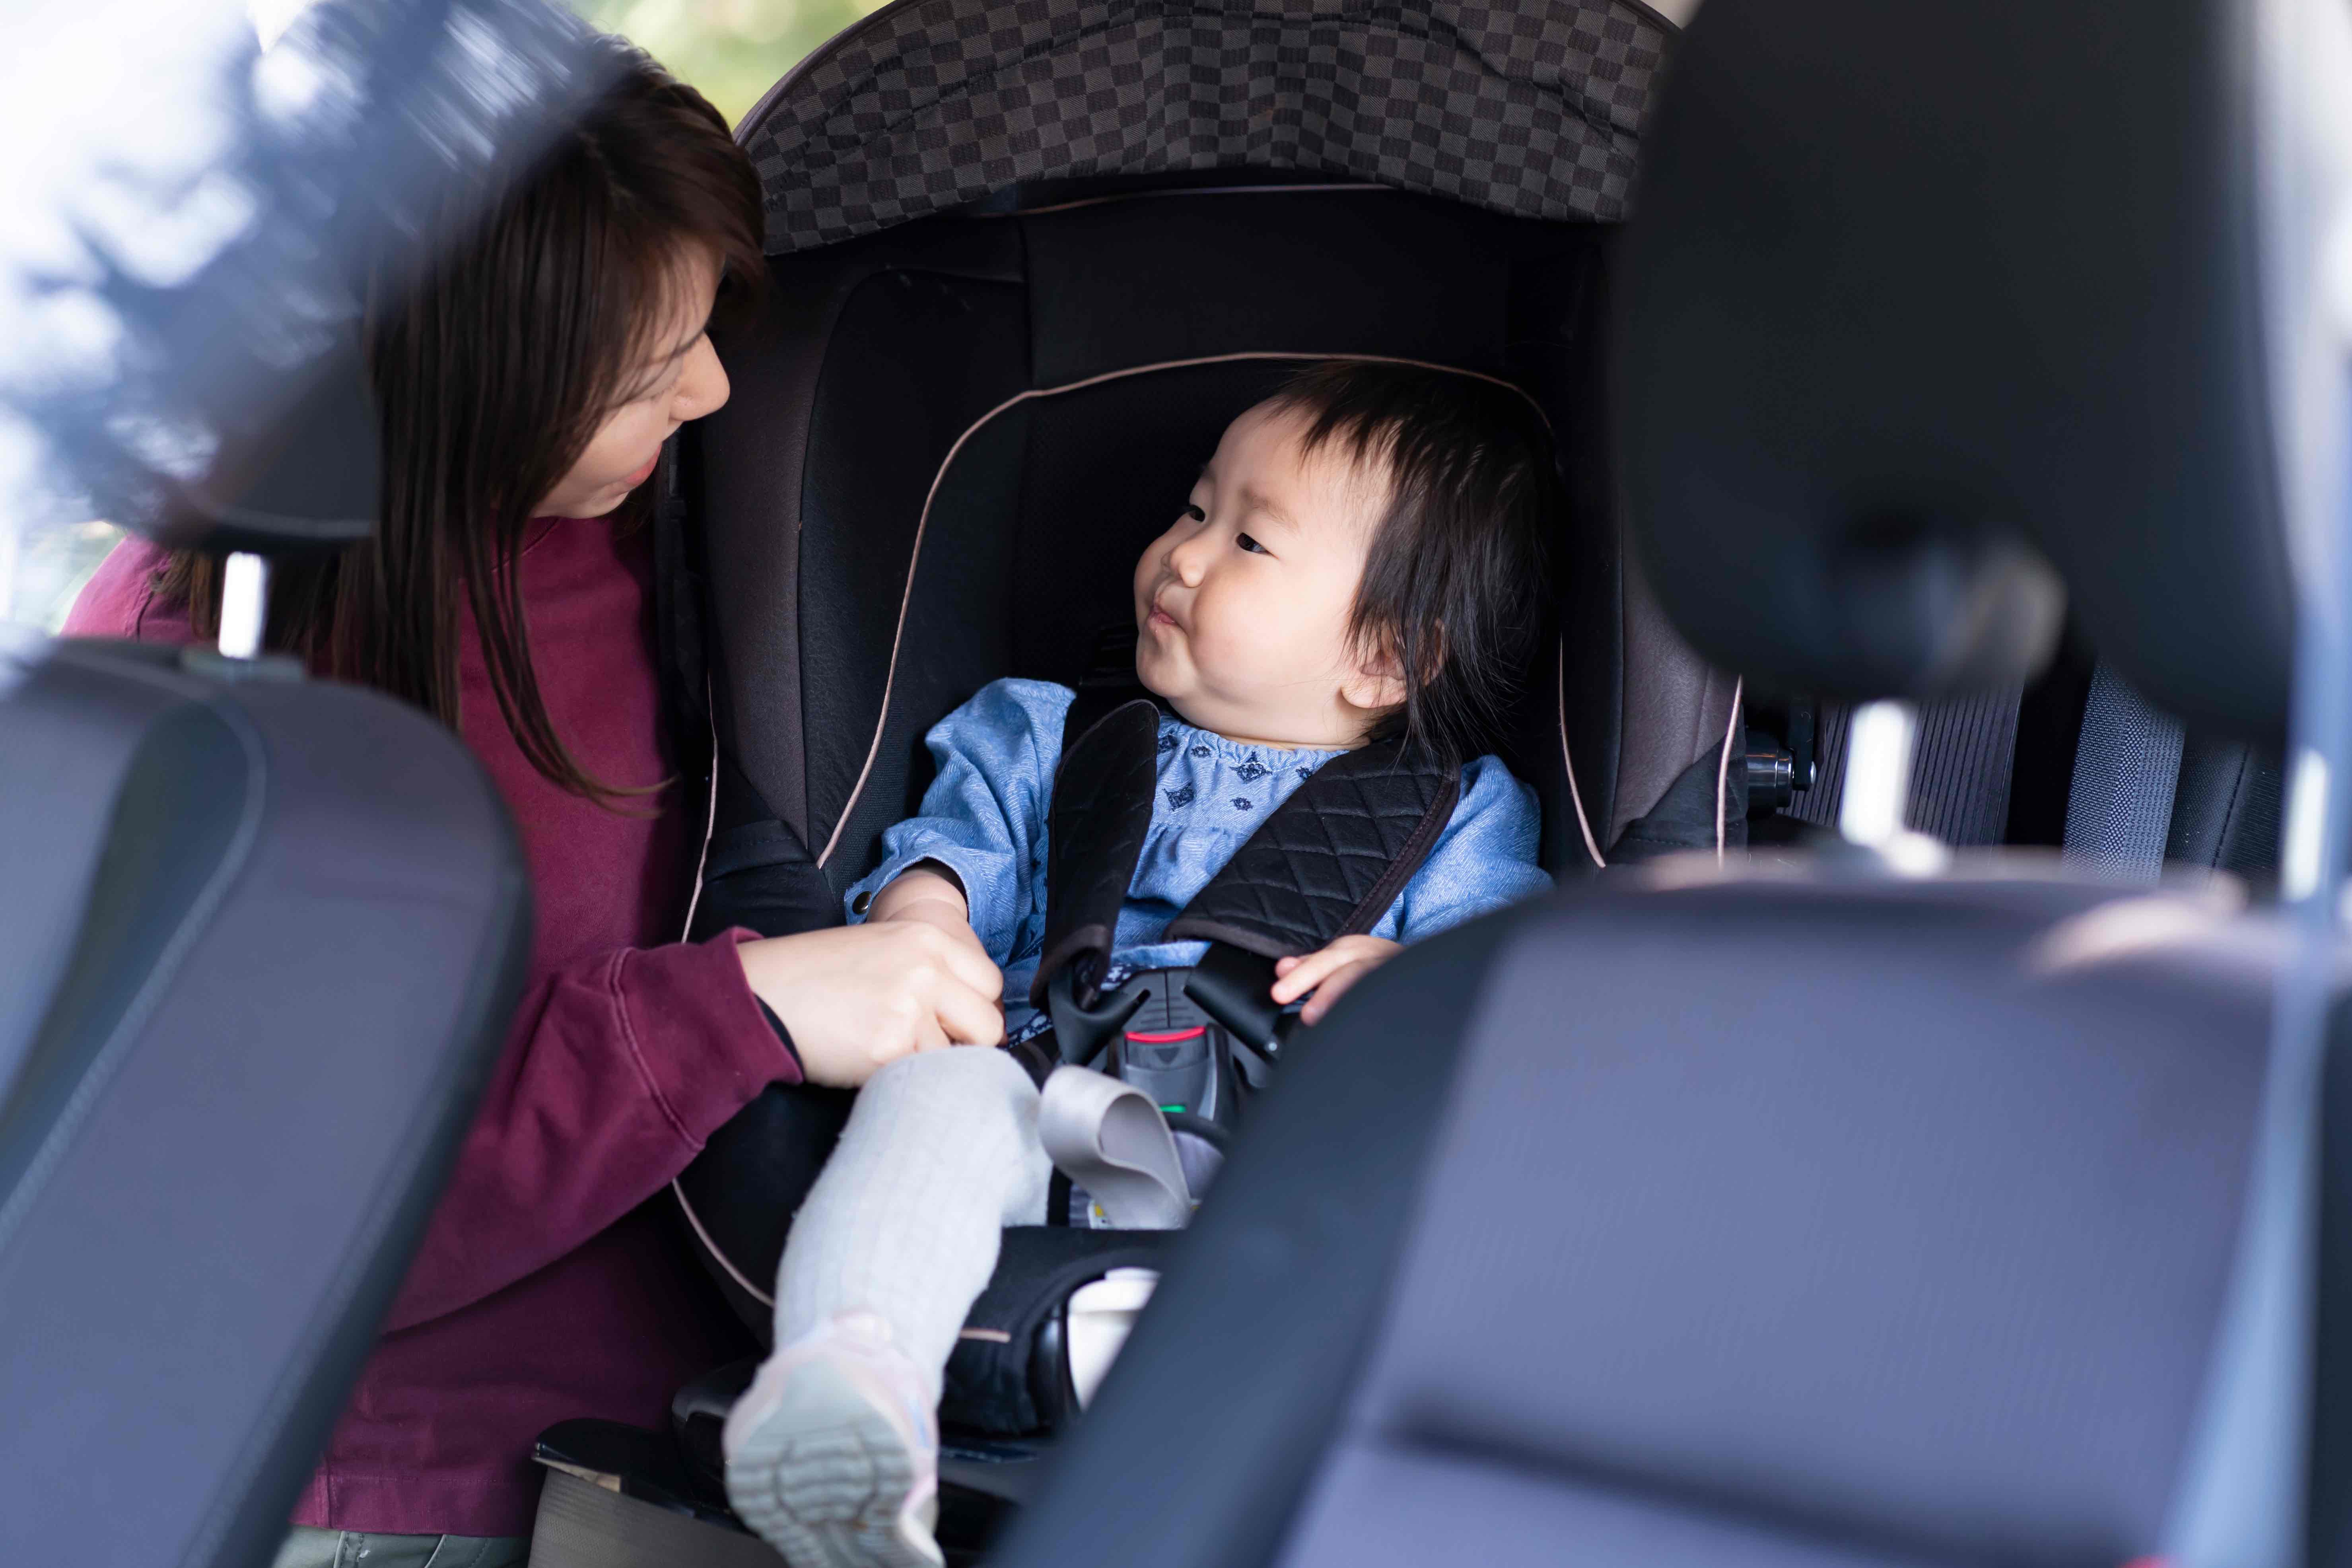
{"x":620,"y":1069}
{"x":119,"y":600}
{"x":616,"y":1071}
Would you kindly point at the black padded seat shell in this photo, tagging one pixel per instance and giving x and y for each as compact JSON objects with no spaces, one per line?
{"x":948,"y":442}
{"x":1786,"y":1222}
{"x":264,"y":939}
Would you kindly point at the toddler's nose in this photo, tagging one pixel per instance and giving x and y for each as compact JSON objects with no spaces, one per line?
{"x":1188,"y":560}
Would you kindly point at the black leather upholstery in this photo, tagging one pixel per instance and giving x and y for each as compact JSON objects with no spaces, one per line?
{"x":275,"y":930}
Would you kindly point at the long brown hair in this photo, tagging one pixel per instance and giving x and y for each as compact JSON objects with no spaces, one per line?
{"x":492,"y":368}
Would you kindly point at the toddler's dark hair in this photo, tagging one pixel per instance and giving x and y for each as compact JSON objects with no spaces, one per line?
{"x":1458,"y":568}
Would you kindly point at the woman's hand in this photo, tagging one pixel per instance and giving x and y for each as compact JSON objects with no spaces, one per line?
{"x":854,"y":997}
{"x":1328,"y":973}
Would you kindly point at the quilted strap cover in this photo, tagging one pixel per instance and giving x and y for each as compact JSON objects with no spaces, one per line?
{"x":1330,"y":862}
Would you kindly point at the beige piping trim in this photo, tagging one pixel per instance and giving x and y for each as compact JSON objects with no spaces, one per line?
{"x":709,"y":822}
{"x":915,"y":555}
{"x":710,"y":817}
{"x":1723,"y":769}
{"x":715,"y":1250}
{"x":1567,"y":763}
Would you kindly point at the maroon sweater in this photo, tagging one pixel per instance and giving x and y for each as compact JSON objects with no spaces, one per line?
{"x":548,"y":1286}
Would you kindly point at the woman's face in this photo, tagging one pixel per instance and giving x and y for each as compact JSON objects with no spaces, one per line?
{"x":676,"y":378}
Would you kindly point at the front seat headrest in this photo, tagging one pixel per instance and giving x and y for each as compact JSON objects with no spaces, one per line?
{"x":1928,"y":307}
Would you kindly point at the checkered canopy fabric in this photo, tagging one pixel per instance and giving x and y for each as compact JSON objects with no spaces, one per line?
{"x":1528,"y":107}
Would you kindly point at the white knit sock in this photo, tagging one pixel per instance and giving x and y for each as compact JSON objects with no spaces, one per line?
{"x":940,"y":1154}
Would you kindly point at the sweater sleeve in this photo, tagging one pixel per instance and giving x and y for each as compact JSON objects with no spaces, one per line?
{"x":119,"y":600}
{"x":618,"y":1070}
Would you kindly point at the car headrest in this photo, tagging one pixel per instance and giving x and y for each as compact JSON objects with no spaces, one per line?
{"x":1934,"y":306}
{"x":212,"y":393}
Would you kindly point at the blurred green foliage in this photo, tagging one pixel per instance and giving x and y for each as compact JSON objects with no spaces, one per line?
{"x":732,"y":49}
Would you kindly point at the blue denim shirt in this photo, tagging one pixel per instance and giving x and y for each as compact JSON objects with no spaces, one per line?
{"x":984,"y":816}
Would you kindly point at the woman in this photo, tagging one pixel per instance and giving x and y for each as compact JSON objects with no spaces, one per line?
{"x":526,"y":382}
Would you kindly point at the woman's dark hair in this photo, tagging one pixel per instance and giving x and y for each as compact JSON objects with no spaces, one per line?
{"x":1458,"y":571}
{"x":492,"y":367}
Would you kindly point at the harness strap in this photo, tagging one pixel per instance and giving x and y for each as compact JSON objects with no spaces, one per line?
{"x":1328,"y":863}
{"x":1100,"y":812}
{"x":1333,"y":858}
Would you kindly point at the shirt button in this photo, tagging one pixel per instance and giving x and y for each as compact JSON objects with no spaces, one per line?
{"x":861,"y":903}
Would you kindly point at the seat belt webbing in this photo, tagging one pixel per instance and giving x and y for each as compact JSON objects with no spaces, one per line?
{"x":2126,"y":771}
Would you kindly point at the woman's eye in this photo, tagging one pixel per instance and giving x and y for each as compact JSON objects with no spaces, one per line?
{"x":1252,"y":546}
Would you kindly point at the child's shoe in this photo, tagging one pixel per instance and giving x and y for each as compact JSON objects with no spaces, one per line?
{"x":833,"y":1453}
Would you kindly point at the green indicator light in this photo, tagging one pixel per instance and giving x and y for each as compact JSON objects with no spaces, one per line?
{"x":1171,"y":1110}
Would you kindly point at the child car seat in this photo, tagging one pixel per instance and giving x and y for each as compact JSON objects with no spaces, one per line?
{"x":1850,"y":1217}
{"x":954,"y":433}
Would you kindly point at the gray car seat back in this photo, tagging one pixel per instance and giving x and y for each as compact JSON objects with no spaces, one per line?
{"x":1978,"y":1332}
{"x":289,"y":920}
{"x":1665,"y":1286}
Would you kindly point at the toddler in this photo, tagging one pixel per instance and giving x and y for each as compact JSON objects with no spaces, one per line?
{"x":1363,"y":557}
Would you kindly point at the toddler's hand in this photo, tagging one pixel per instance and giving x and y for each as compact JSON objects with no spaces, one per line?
{"x":1328,"y":973}
{"x":855,"y":997}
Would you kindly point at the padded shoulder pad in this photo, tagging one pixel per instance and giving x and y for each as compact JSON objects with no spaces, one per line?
{"x":1330,"y":862}
{"x":1101,"y":810}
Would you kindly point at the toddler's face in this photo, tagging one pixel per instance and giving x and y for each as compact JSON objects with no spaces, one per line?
{"x":1242,"y":606}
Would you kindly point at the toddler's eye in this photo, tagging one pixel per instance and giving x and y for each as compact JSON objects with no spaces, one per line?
{"x":1194,"y":514}
{"x":1252,"y":546}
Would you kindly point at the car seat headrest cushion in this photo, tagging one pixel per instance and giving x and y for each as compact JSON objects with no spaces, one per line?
{"x":929,"y":107}
{"x":1929,"y":309}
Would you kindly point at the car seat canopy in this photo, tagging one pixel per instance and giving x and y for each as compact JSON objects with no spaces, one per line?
{"x":1528,"y":108}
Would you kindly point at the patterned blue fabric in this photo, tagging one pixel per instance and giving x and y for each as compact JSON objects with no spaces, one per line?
{"x":984,"y":816}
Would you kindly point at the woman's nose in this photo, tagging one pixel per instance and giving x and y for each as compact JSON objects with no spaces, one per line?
{"x":702,"y":386}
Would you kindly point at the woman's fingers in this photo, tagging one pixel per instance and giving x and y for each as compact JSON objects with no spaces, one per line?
{"x":854,"y":997}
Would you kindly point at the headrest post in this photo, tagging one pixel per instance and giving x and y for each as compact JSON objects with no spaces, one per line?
{"x":1877,"y":773}
{"x":244,"y":605}
{"x":1879,"y":739}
